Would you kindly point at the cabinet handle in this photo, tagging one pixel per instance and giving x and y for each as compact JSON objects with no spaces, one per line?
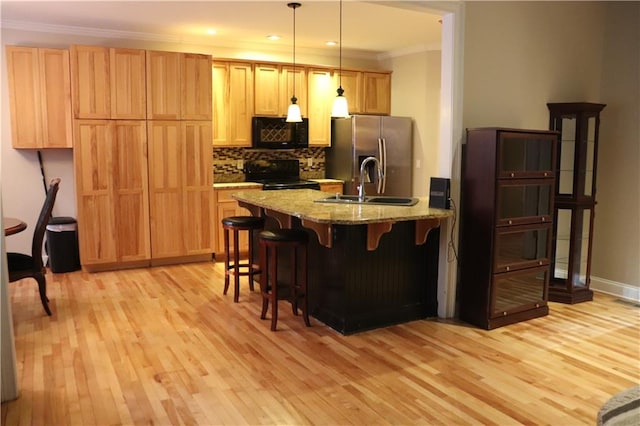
{"x":537,"y":305}
{"x":512,"y":174}
{"x":508,"y":268}
{"x":543,"y":219}
{"x":510,"y":222}
{"x":539,"y":262}
{"x":504,"y":314}
{"x":545,"y":174}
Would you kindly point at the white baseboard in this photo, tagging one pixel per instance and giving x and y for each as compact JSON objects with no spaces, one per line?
{"x":623,"y":291}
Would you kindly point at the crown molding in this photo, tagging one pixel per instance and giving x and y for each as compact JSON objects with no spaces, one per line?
{"x":179,"y":39}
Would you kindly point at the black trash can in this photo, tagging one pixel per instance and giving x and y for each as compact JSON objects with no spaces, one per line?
{"x":62,"y":244}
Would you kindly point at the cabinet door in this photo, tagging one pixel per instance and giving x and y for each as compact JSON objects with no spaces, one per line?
{"x":197,"y":202}
{"x":377,"y":93}
{"x":232,"y":103}
{"x":240,"y":104}
{"x":220,"y":102}
{"x":196,"y":87}
{"x":163,"y":85}
{"x":289,"y":77}
{"x":333,"y":188}
{"x":130,"y":189}
{"x":267,"y":89}
{"x":320,"y":99}
{"x":55,"y":95}
{"x":23,"y":75}
{"x":526,"y":154}
{"x":519,"y":247}
{"x":93,"y":159}
{"x":519,"y":291}
{"x":522,"y":201}
{"x":90,"y":82}
{"x":128,"y":90}
{"x":165,"y":188}
{"x":352,"y":85}
{"x":40,"y":97}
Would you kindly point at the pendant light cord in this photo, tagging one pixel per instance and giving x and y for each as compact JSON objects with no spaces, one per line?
{"x":340,"y":81}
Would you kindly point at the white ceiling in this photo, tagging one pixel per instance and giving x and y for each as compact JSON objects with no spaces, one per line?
{"x":370,"y":28}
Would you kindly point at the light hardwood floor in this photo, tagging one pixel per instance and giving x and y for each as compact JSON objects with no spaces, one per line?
{"x":164,"y":346}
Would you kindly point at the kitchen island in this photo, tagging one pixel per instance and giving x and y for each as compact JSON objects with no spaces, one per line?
{"x":370,"y":266}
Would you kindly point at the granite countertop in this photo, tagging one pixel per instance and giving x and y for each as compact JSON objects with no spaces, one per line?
{"x":300,"y":203}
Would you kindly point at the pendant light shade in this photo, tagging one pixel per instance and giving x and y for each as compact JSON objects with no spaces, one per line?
{"x":340,"y":106}
{"x":293,"y":113}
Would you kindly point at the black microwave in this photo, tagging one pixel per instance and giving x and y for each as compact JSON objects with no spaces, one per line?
{"x":276,"y":133}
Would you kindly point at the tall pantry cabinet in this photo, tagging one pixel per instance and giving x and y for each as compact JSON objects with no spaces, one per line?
{"x":141,"y":197}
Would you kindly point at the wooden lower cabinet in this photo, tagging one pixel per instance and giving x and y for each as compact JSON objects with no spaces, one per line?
{"x":111,"y":185}
{"x":225,"y":207}
{"x":332,"y":188}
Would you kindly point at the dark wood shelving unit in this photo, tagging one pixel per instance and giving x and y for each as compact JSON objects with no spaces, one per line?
{"x":575,"y":199}
{"x":508,"y":186}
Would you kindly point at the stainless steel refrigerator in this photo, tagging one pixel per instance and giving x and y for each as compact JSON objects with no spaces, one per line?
{"x":389,"y":139}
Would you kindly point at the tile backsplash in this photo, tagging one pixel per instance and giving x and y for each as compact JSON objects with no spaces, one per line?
{"x":228,"y":162}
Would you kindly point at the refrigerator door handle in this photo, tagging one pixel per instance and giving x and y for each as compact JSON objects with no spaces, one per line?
{"x":382,"y":148}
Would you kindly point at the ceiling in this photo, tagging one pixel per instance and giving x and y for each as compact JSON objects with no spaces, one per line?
{"x":370,"y":28}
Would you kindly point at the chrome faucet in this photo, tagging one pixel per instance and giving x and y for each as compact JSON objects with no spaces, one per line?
{"x":363,"y":168}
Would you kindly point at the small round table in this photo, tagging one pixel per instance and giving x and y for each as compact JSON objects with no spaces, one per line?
{"x":13,"y":225}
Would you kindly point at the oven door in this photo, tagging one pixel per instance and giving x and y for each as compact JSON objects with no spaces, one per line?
{"x":276,"y":133}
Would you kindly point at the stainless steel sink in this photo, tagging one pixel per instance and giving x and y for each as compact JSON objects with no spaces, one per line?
{"x":378,"y":199}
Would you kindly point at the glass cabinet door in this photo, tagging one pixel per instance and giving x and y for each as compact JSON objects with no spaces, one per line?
{"x":526,"y":155}
{"x":524,"y":201}
{"x":519,"y":247}
{"x":519,"y":291}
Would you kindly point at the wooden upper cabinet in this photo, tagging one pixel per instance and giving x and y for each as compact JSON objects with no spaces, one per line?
{"x":232,"y":103}
{"x":90,"y":82}
{"x":39,"y":97}
{"x":108,"y":83}
{"x":266,"y":89}
{"x":352,"y":84}
{"x":127,"y":78}
{"x":289,"y":77}
{"x":377,"y":93}
{"x":274,"y":87}
{"x":320,"y":101}
{"x":195,"y":86}
{"x":163,"y":85}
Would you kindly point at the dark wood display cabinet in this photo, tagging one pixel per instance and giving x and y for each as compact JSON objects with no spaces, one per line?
{"x":575,"y":199}
{"x":508,"y":184}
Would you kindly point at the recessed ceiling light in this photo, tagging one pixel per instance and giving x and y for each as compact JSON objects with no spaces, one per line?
{"x":211,"y":31}
{"x":273,"y":37}
{"x":331,"y":43}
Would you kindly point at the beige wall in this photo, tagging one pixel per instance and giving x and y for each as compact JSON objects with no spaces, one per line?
{"x":519,"y":56}
{"x":616,"y":251}
{"x":415,"y":92}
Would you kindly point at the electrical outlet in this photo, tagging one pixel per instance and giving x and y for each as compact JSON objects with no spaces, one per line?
{"x":240,"y":164}
{"x":310,"y":162}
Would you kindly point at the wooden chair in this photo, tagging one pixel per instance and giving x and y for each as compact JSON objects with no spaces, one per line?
{"x":23,"y":266}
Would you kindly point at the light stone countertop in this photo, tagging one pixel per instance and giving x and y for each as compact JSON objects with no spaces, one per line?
{"x":300,"y":203}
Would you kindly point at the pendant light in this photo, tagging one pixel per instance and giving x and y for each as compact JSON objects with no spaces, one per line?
{"x":293,"y":113}
{"x":340,"y":108}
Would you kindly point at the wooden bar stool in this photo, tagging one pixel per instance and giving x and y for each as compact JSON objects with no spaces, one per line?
{"x":238,"y":268}
{"x":295,"y":241}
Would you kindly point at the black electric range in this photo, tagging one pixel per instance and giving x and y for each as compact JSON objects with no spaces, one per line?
{"x":277,"y":174}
